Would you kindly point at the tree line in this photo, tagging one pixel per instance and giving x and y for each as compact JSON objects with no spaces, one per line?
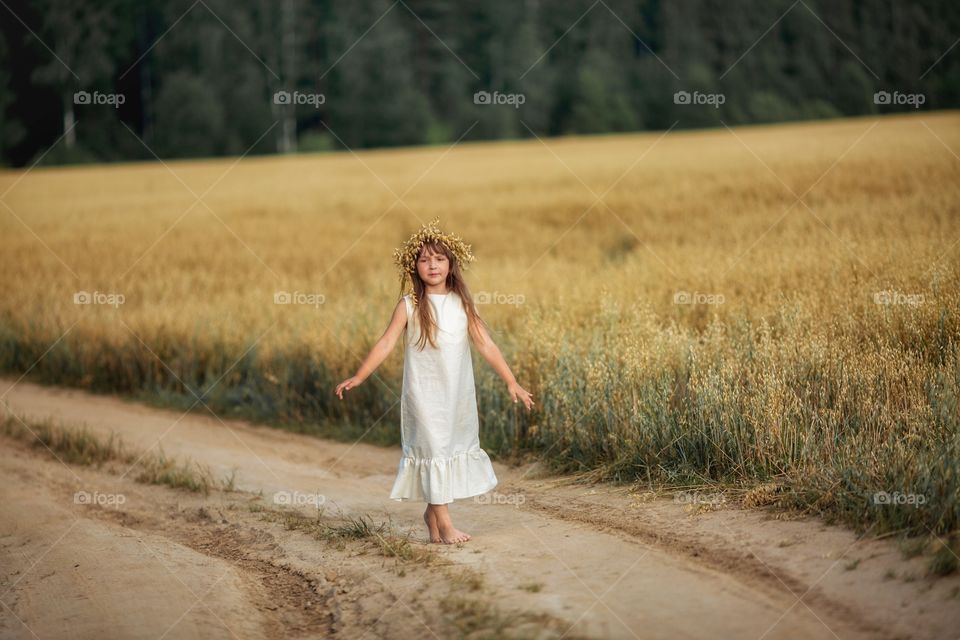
{"x":114,"y":80}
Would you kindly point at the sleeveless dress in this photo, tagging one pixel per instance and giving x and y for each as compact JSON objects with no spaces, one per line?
{"x":439,"y":426}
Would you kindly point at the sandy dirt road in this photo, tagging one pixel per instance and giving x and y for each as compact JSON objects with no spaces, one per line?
{"x":564,"y":560}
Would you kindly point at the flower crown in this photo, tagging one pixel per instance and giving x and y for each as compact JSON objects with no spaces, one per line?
{"x":405,"y":256}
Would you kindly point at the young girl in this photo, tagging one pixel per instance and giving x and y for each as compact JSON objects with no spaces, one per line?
{"x":439,"y":427}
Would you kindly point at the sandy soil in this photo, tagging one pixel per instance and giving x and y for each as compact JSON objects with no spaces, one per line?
{"x":558,"y":560}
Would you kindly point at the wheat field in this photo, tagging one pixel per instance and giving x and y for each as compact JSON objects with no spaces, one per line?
{"x":770,"y":309}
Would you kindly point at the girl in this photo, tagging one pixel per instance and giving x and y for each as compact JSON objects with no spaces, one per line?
{"x":439,"y":426}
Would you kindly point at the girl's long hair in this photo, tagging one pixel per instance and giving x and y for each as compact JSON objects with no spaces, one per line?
{"x":455,"y":283}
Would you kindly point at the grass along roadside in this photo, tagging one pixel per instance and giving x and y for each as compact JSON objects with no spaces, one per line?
{"x":467,"y":606}
{"x":78,"y":445}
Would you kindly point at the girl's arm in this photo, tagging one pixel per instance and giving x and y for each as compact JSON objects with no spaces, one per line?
{"x":491,"y":353}
{"x":379,"y":351}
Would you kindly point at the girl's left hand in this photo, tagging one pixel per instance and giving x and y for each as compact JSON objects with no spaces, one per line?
{"x":517,"y":392}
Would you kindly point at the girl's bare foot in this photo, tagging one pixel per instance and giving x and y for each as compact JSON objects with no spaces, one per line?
{"x":431,"y":519}
{"x":448,"y":534}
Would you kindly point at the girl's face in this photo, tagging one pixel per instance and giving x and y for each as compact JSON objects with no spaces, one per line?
{"x":432,"y":267}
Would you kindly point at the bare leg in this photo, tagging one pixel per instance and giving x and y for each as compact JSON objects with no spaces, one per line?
{"x":448,"y":534}
{"x":431,"y":519}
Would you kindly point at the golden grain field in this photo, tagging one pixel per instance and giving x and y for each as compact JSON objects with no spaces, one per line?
{"x":773,"y":308}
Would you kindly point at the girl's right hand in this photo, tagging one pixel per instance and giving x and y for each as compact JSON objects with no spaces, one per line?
{"x":349,"y":383}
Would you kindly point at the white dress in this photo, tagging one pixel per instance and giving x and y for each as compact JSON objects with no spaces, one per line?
{"x":442,"y":459}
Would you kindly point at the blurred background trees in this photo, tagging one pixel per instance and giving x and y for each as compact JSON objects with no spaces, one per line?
{"x":199,"y":77}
